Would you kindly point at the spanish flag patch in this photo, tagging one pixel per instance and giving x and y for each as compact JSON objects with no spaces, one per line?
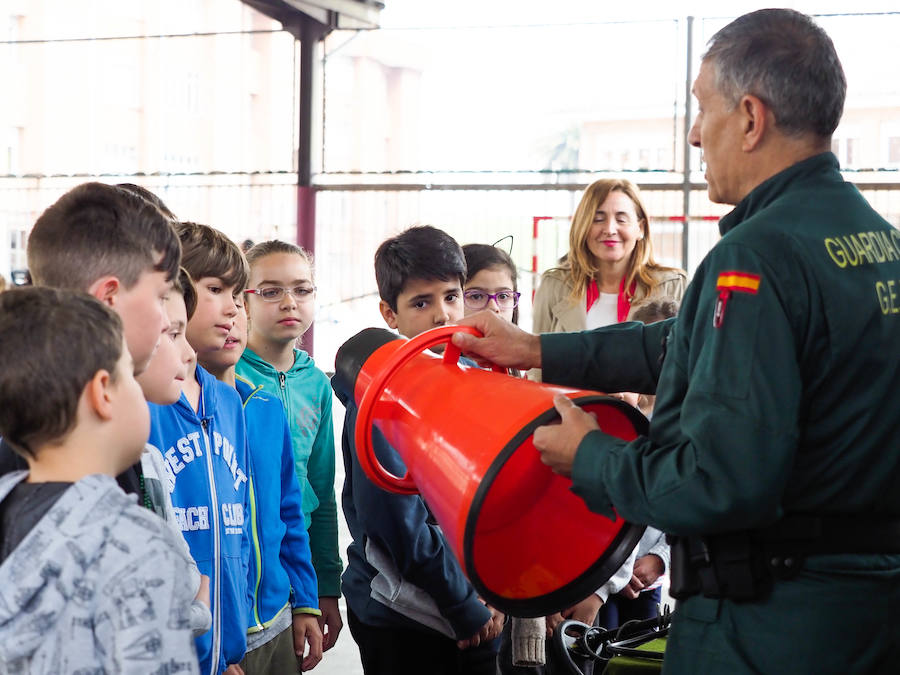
{"x":726,"y":284}
{"x":738,"y":281}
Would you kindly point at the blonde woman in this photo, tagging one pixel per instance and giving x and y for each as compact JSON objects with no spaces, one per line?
{"x":609,"y":265}
{"x":609,"y":268}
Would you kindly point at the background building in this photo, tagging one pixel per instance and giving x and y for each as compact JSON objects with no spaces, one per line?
{"x":475,"y":128}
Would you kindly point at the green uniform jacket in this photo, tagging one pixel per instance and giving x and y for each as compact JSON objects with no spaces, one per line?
{"x":786,"y":403}
{"x":306,"y":394}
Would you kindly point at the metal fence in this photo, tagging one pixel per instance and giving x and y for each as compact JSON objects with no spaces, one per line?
{"x":351,"y":224}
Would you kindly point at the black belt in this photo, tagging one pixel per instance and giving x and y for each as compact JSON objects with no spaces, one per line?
{"x":744,"y":565}
{"x":815,"y":535}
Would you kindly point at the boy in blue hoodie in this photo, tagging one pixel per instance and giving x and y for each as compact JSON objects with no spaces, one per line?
{"x":281,"y":307}
{"x":284,"y":612}
{"x":397,"y":553}
{"x":203,"y":442}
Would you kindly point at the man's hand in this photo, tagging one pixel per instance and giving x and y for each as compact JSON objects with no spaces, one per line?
{"x":233,"y":669}
{"x":306,"y":631}
{"x":585,"y":612}
{"x":558,"y":443}
{"x":504,"y":343}
{"x":330,"y":623}
{"x":490,"y":630}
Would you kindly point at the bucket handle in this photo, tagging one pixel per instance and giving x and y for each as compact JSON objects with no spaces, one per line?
{"x":373,"y":469}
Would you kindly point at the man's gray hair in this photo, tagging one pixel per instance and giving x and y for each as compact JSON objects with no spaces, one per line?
{"x":785,"y":59}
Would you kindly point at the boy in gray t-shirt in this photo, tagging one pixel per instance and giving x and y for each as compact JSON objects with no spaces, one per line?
{"x":88,"y":579}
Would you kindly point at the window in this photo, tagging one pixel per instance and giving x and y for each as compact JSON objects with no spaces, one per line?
{"x":851,"y":158}
{"x":894,"y":150}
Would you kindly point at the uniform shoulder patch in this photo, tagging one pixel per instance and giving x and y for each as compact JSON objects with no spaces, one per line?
{"x":728,"y":283}
{"x":738,"y":281}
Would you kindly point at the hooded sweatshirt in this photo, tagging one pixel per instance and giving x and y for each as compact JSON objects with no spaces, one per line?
{"x":305,"y":393}
{"x":281,"y":572}
{"x":401,"y":573}
{"x":97,"y":586}
{"x":208,"y":476}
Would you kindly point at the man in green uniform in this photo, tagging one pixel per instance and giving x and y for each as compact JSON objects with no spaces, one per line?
{"x":774,"y":450}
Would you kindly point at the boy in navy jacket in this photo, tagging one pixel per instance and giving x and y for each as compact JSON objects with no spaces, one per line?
{"x":203,"y":441}
{"x":409,"y":606}
{"x":284,"y":614}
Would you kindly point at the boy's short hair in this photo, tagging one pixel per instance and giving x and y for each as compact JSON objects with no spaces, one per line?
{"x":206,"y":252}
{"x":421,"y":252}
{"x":96,"y":230}
{"x":154,"y":199}
{"x":184,"y":286}
{"x":54,"y":342}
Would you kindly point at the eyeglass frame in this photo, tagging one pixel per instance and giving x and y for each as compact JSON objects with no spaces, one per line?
{"x":492,"y":296}
{"x":284,"y":290}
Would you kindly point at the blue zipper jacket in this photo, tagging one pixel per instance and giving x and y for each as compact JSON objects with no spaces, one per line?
{"x":209,"y":479}
{"x":281,"y":571}
{"x":305,"y":393}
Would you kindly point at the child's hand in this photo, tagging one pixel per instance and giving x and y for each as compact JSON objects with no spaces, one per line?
{"x":330,"y":622}
{"x":473,"y":641}
{"x":306,"y":631}
{"x":203,"y":591}
{"x":649,"y":568}
{"x":490,"y":630}
{"x":552,"y":622}
{"x":584,"y":611}
{"x":633,"y":589}
{"x":495,"y":625}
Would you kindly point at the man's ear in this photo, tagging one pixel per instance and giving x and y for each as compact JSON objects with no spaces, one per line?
{"x":389,"y":315}
{"x":106,"y":289}
{"x":99,"y":395}
{"x":757,"y":119}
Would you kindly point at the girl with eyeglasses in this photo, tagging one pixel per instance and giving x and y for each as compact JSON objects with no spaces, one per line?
{"x":491,"y":281}
{"x":280,"y":305}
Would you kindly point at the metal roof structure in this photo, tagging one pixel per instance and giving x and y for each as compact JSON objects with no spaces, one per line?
{"x":331,"y":14}
{"x":309,"y":21}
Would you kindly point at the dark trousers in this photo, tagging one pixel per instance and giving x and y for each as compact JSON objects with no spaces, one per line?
{"x":618,"y":610}
{"x":401,"y":651}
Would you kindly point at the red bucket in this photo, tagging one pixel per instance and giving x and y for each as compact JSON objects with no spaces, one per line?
{"x":528,"y":544}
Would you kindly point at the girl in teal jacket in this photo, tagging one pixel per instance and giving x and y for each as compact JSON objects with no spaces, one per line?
{"x":280,"y":304}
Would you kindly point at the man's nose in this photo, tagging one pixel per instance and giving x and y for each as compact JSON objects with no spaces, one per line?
{"x":694,"y":135}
